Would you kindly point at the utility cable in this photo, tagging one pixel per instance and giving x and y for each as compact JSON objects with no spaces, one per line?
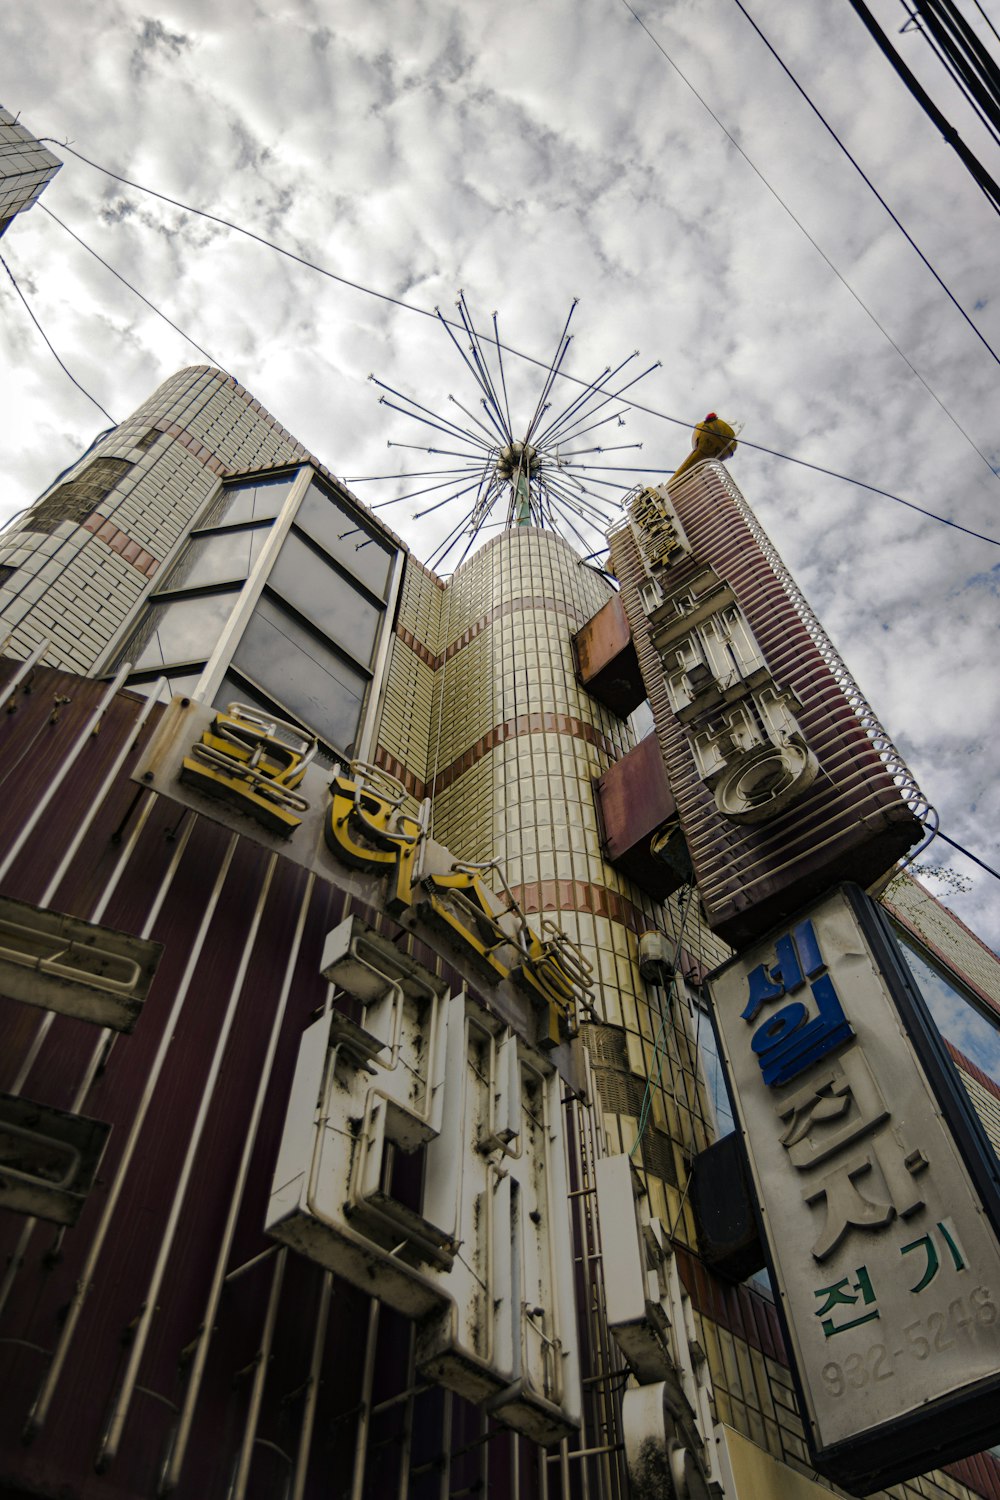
{"x":986,"y":19}
{"x":982,"y":93}
{"x":517,"y":353}
{"x":977,"y":171}
{"x":125,"y":282}
{"x":822,"y":253}
{"x":83,"y":390}
{"x":974,"y":857}
{"x":900,"y":226}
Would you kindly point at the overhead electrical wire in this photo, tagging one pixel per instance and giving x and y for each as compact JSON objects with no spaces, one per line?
{"x":81,"y":388}
{"x":969,"y":855}
{"x":517,"y":353}
{"x":979,"y":174}
{"x":125,"y":282}
{"x":819,"y":250}
{"x":900,"y":226}
{"x":962,"y":54}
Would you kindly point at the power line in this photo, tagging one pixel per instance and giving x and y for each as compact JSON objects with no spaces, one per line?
{"x":901,"y":227}
{"x":151,"y":305}
{"x":977,"y":171}
{"x":251,"y":234}
{"x":822,"y":253}
{"x":368,"y":291}
{"x":48,"y":342}
{"x":974,"y":857}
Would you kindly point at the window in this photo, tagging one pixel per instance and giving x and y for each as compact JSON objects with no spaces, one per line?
{"x":183,"y":621}
{"x":305,"y":579}
{"x":293,"y":667}
{"x":181,"y":630}
{"x":250,"y":500}
{"x":216,"y":557}
{"x":307,"y":648}
{"x":345,"y":537}
{"x":74,"y":500}
{"x":715,"y":1082}
{"x":956,"y":1014}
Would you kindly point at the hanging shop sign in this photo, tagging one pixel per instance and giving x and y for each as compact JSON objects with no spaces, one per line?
{"x":423,"y":1155}
{"x":878,"y":1194}
{"x":358,"y":829}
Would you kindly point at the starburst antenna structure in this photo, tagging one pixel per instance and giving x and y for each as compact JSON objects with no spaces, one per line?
{"x":545,"y":471}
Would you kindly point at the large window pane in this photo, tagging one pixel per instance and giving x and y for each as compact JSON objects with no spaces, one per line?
{"x":182,"y":686}
{"x":955,"y":1016}
{"x":180,"y":630}
{"x":715,"y":1082}
{"x":250,"y":500}
{"x":298,"y":672}
{"x":338,"y":532}
{"x":325,"y":598}
{"x":220,"y":557}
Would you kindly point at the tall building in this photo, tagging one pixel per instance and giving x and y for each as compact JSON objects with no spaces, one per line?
{"x":25,"y":168}
{"x":352,"y":952}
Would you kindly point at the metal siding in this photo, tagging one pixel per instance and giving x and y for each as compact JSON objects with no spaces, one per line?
{"x":62,"y":1455}
{"x":852,"y":821}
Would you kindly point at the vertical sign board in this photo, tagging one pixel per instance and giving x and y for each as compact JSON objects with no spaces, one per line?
{"x":878,"y":1195}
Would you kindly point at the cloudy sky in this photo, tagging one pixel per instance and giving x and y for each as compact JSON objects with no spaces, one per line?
{"x":530,"y":152}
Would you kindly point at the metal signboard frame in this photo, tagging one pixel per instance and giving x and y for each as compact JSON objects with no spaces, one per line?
{"x":878,"y":1194}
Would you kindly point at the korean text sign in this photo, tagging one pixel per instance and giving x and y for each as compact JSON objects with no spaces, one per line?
{"x":885,"y":1258}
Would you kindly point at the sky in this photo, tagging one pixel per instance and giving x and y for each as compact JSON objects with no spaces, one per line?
{"x":528,"y":153}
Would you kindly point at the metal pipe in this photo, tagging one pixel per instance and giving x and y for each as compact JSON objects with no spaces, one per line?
{"x":364,"y":1418}
{"x":552,"y":1458}
{"x":83,"y":1088}
{"x":171,"y":1475}
{"x":84,"y":827}
{"x":406,"y":1439}
{"x":446,"y":1421}
{"x":312,"y":1394}
{"x":48,"y":1020}
{"x":12,"y":686}
{"x":237,"y":1489}
{"x":65,"y":767}
{"x":40,"y":1409}
{"x":248,"y":1265}
{"x":137,"y":1348}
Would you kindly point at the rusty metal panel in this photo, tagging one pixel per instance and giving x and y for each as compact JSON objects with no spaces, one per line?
{"x":57,"y":962}
{"x":606,"y":660}
{"x":854,"y":821}
{"x":196,"y":1106}
{"x":48,"y":1159}
{"x":635,"y":803}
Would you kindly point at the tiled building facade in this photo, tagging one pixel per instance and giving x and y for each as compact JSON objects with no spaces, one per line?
{"x":168,"y":551}
{"x":25,"y":169}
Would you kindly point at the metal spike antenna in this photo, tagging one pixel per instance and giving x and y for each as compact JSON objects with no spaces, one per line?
{"x":539,"y":479}
{"x":614,"y":395}
{"x":434,"y":417}
{"x":575,"y":408}
{"x":503,"y":382}
{"x":560,"y":355}
{"x":446,"y":484}
{"x":469,"y":365}
{"x":476,"y":351}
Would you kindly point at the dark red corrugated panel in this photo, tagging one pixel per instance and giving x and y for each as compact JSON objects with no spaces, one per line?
{"x":852,"y":822}
{"x":981,"y":1473}
{"x":60,"y":1461}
